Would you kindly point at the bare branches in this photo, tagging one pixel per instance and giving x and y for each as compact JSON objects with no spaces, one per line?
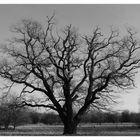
{"x":38,"y":105}
{"x":112,"y":63}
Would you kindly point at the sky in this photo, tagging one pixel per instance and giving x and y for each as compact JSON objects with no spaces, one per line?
{"x":85,"y":18}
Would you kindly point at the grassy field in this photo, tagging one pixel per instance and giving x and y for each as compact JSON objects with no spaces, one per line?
{"x":84,"y":129}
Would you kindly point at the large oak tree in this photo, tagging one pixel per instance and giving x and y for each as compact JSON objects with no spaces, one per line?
{"x":73,"y":72}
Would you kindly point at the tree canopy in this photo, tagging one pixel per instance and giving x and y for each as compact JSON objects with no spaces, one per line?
{"x":71,"y":70}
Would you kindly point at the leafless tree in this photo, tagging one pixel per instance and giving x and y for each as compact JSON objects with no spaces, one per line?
{"x":74,"y":73}
{"x":9,"y":110}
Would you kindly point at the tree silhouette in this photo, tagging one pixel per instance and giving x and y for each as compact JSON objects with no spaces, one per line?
{"x":74,"y":73}
{"x":9,"y":110}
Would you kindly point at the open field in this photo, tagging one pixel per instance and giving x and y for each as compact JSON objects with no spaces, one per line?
{"x":84,"y":129}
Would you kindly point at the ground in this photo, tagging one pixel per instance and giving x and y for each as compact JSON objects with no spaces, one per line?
{"x":106,"y":129}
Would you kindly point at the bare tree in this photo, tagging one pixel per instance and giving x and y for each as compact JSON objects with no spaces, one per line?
{"x":9,"y":110}
{"x":74,"y":73}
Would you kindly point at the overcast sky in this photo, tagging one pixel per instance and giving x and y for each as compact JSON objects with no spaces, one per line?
{"x":85,"y":17}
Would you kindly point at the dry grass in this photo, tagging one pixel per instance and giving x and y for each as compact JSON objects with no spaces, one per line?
{"x":84,"y":129}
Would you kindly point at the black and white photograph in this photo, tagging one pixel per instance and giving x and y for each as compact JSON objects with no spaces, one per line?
{"x":69,"y":70}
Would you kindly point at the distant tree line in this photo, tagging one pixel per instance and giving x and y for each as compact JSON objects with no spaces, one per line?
{"x":108,"y":117}
{"x":98,"y":117}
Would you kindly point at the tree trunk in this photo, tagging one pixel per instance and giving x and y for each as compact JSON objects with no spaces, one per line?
{"x":6,"y":126}
{"x":14,"y":125}
{"x":70,"y":128}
